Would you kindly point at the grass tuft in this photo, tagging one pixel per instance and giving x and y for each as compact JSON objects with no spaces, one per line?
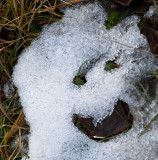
{"x":78,"y":80}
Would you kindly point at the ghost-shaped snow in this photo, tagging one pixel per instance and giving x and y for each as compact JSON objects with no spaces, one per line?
{"x":44,"y":74}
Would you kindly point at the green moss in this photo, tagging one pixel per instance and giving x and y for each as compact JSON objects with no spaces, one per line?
{"x":112,"y":20}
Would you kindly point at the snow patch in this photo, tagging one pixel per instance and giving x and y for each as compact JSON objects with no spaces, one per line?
{"x":152,"y":10}
{"x":44,"y":75}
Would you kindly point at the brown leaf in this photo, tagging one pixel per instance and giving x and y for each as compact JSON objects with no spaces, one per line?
{"x":118,"y":122}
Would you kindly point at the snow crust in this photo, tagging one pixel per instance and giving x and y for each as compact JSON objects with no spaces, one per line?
{"x":44,"y":75}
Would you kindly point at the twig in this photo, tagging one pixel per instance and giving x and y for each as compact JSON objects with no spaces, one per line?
{"x":61,"y":5}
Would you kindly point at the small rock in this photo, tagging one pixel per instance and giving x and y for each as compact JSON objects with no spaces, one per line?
{"x":118,"y":122}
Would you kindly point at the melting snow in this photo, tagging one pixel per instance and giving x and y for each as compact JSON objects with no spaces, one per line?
{"x":152,"y":10}
{"x":44,"y":75}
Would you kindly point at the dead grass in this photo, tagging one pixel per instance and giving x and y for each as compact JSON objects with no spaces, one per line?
{"x":20,"y":23}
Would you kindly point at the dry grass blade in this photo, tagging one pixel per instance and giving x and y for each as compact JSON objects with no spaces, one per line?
{"x":19,"y":147}
{"x":3,"y":146}
{"x":9,"y":158}
{"x":3,"y":110}
{"x":10,"y":2}
{"x":69,"y":3}
{"x":146,"y":128}
{"x":55,"y":2}
{"x":30,"y":21}
{"x":15,"y":7}
{"x":139,"y":112}
{"x":19,"y":138}
{"x":24,"y":155}
{"x":22,"y":13}
{"x":1,"y":151}
{"x":60,"y":5}
{"x":13,"y":126}
{"x":137,"y":49}
{"x":18,"y":123}
{"x":6,"y":72}
{"x":16,"y":155}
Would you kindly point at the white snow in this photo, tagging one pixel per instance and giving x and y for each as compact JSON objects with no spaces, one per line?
{"x":152,"y":11}
{"x":44,"y":75}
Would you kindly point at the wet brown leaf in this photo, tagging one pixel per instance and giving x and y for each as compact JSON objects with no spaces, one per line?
{"x":118,"y":122}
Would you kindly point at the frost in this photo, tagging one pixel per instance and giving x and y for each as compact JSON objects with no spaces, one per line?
{"x":23,"y":142}
{"x":8,"y":89}
{"x":44,"y":75}
{"x":152,"y":10}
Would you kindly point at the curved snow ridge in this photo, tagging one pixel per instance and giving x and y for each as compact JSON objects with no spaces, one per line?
{"x":44,"y":75}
